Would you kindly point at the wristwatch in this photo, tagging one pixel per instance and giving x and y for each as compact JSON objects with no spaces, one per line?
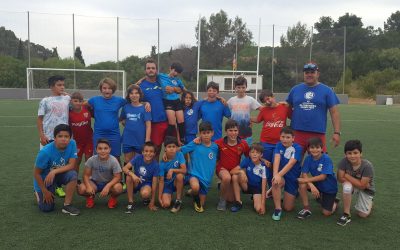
{"x":337,"y":133}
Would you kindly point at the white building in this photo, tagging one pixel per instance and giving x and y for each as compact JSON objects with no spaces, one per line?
{"x":226,"y":81}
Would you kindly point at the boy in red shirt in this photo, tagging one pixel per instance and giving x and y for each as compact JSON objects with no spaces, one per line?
{"x":231,"y":148}
{"x":80,"y":121}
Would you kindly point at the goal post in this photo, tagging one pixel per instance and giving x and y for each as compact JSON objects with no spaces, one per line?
{"x":83,"y":80}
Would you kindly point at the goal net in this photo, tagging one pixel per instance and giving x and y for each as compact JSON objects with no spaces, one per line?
{"x":85,"y":81}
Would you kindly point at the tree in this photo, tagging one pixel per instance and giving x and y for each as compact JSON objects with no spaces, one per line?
{"x":78,"y":55}
{"x":20,"y":51}
{"x":54,"y":53}
{"x":393,"y":22}
{"x":218,"y":38}
{"x":153,"y":52}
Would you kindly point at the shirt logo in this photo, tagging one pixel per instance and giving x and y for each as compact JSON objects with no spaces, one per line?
{"x":210,"y":156}
{"x":189,"y":112}
{"x":289,"y":152}
{"x":309,"y":95}
{"x":319,"y":167}
{"x":142,"y":171}
{"x":176,"y":164}
{"x":86,"y":115}
{"x":174,"y":82}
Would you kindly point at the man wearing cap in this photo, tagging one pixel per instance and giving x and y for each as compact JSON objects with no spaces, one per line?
{"x":310,"y":101}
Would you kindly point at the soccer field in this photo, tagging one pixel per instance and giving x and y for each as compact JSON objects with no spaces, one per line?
{"x":23,"y":226}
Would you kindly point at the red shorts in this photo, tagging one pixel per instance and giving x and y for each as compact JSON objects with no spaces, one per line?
{"x":158,"y":131}
{"x":85,"y":148}
{"x":302,"y":137}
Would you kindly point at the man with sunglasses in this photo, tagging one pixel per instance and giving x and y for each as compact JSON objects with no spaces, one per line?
{"x":310,"y":101}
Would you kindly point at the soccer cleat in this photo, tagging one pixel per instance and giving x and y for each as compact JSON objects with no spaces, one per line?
{"x":60,"y":192}
{"x":112,"y":202}
{"x":236,"y":206}
{"x":176,"y":207}
{"x":304,"y":213}
{"x":276,"y":216}
{"x":89,"y":201}
{"x":344,"y":220}
{"x":197,"y":205}
{"x":130,"y":208}
{"x":221,"y":205}
{"x":69,"y":209}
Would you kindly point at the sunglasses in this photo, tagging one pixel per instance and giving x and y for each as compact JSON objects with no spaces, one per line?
{"x":310,"y":66}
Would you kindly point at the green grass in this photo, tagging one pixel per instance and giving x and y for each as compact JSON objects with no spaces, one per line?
{"x":23,"y":226}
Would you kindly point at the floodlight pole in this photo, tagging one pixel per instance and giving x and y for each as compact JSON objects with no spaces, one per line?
{"x":273,"y":58}
{"x":198,"y":57}
{"x":73,"y":47}
{"x":258,"y":55}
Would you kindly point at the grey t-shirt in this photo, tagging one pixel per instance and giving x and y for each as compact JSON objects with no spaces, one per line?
{"x":103,"y":171}
{"x":365,"y":170}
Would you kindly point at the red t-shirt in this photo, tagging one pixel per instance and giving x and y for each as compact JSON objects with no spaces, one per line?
{"x":274,"y":119}
{"x":81,"y":125}
{"x":229,"y":156}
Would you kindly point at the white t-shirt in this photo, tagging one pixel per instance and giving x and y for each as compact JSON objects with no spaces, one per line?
{"x":241,"y":109}
{"x":54,"y":110}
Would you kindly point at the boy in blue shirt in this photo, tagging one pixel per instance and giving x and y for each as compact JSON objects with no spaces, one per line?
{"x":323,"y":184}
{"x":55,"y":166}
{"x":203,"y":159}
{"x":251,"y":177}
{"x":213,"y":110}
{"x":286,"y":170}
{"x":172,"y":173}
{"x":141,"y":176}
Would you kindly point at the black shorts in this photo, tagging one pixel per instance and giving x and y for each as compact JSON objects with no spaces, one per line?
{"x":172,"y":105}
{"x":253,"y":190}
{"x":327,"y":200}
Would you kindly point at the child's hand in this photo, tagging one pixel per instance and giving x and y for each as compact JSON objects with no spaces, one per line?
{"x":49,"y":178}
{"x":169,"y":174}
{"x":152,"y":207}
{"x":261,"y":210}
{"x":314,"y":192}
{"x":243,"y":176}
{"x":90,"y":190}
{"x":105,"y":191}
{"x":169,"y":89}
{"x":301,"y":180}
{"x":44,"y":140}
{"x":164,"y":158}
{"x":267,"y":163}
{"x":222,"y":100}
{"x":48,"y":197}
{"x":277,"y":180}
{"x":197,"y":140}
{"x":160,"y":202}
{"x":147,"y":107}
{"x":140,"y":80}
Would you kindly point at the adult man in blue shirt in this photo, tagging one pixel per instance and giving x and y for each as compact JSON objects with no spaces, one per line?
{"x":310,"y":101}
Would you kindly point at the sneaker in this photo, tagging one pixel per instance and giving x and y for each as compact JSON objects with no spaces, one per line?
{"x":90,"y":201}
{"x":236,"y":206}
{"x":344,"y":220}
{"x":277,"y":214}
{"x":146,"y":202}
{"x":304,"y":213}
{"x":71,"y":210}
{"x":197,"y":205}
{"x":221,"y":205}
{"x":112,"y":202}
{"x":176,"y":207}
{"x":124,"y":187}
{"x":60,"y":192}
{"x":130,"y":208}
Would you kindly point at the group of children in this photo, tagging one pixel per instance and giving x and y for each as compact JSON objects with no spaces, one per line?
{"x":191,"y":155}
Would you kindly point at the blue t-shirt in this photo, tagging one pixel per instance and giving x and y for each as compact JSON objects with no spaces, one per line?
{"x":173,"y":164}
{"x":323,"y":165}
{"x":294,"y":151}
{"x":135,"y":124}
{"x":254,"y":173}
{"x":203,"y":160}
{"x":106,"y":113}
{"x":165,"y":80}
{"x":152,"y":94}
{"x":192,"y":116}
{"x":310,"y":106}
{"x":145,"y":171}
{"x":50,"y":157}
{"x":214,"y":112}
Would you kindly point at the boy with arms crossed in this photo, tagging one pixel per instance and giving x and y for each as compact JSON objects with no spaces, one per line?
{"x":357,"y":177}
{"x":141,"y":176}
{"x":251,"y":177}
{"x":323,"y":183}
{"x":54,"y":166}
{"x":102,"y":175}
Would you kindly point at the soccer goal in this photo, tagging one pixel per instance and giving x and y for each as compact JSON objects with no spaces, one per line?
{"x":85,"y":81}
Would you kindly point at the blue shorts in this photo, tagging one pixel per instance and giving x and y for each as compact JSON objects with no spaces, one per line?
{"x":115,"y":142}
{"x":253,"y":190}
{"x":189,"y":138}
{"x":128,"y":148}
{"x":59,"y":179}
{"x":99,"y":185}
{"x":291,"y":185}
{"x":203,"y":188}
{"x":139,"y":187}
{"x":169,"y":187}
{"x":268,"y":155}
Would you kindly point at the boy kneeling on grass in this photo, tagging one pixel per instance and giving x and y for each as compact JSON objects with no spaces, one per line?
{"x":251,"y":177}
{"x":357,"y":176}
{"x":55,"y":166}
{"x":102,"y":175}
{"x":323,"y":184}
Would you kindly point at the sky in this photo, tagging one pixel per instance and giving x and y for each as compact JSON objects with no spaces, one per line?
{"x":96,"y":32}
